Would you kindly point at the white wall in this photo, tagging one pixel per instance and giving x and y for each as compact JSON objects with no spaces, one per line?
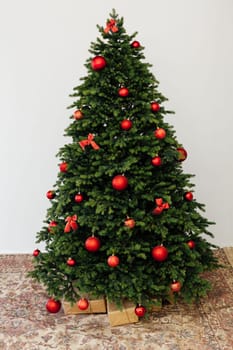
{"x":44,"y":45}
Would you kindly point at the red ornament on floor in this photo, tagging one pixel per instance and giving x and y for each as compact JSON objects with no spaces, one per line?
{"x":135,"y":44}
{"x":63,"y":167}
{"x":156,"y":161}
{"x":182,"y":154}
{"x":50,"y":194}
{"x":83,"y":304}
{"x":159,"y":253}
{"x":53,"y":306}
{"x":92,"y":244}
{"x":140,"y":311}
{"x":119,"y":182}
{"x":36,"y":252}
{"x":113,"y":261}
{"x":98,"y":63}
{"x":160,"y":133}
{"x":123,"y":92}
{"x":126,"y":124}
{"x":155,"y":107}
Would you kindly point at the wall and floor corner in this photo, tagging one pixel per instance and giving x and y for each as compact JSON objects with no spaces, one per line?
{"x":44,"y":45}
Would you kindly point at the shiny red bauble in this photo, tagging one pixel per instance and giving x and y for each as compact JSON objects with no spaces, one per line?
{"x":191,"y":244}
{"x":188,"y":196}
{"x":154,"y":106}
{"x":156,"y":161}
{"x":126,"y":124}
{"x":63,"y":167}
{"x":176,"y":286}
{"x":52,"y":224}
{"x":135,"y":44}
{"x":159,"y":253}
{"x":71,"y":262}
{"x":130,"y":223}
{"x":140,"y":311}
{"x":78,"y":114}
{"x":160,"y":133}
{"x":182,"y":154}
{"x":92,"y":244}
{"x":113,"y":261}
{"x":83,"y":304}
{"x":98,"y":63}
{"x":78,"y":198}
{"x":36,"y":252}
{"x":119,"y":182}
{"x":50,"y":194}
{"x":53,"y":306}
{"x":123,"y":92}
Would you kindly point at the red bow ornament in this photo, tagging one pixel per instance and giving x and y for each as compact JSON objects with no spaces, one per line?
{"x":160,"y":206}
{"x":111,"y":25}
{"x":71,"y":223}
{"x":89,"y":141}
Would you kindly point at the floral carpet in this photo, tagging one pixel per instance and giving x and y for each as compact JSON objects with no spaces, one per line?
{"x":26,"y":325}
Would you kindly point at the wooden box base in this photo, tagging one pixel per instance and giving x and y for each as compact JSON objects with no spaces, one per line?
{"x":119,"y":317}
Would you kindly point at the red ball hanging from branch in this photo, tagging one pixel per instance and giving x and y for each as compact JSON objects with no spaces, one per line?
{"x":63,"y":167}
{"x":113,"y":260}
{"x":126,"y":124}
{"x":52,"y":224}
{"x":159,"y":253}
{"x":53,"y":306}
{"x":155,"y":107}
{"x":123,"y":92}
{"x":78,"y":198}
{"x":182,"y":154}
{"x":50,"y":194}
{"x":130,"y":223}
{"x":191,"y":244}
{"x":71,"y":262}
{"x":83,"y":304}
{"x":119,"y":182}
{"x":175,"y":286}
{"x":140,"y":310}
{"x":92,"y":244}
{"x":36,"y":252}
{"x":156,"y":161}
{"x":135,"y":44}
{"x":160,"y":133}
{"x":98,"y":63}
{"x":188,"y":196}
{"x":78,"y":114}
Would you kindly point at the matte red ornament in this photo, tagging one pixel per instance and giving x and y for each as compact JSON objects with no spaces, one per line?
{"x":126,"y":124}
{"x":78,"y":114}
{"x":160,"y":133}
{"x":83,"y":304}
{"x":135,"y":44}
{"x":50,"y":194}
{"x":191,"y":244}
{"x":78,"y":198}
{"x":140,"y":310}
{"x":130,"y":223}
{"x":123,"y":92}
{"x":182,"y":154}
{"x":53,"y":306}
{"x":188,"y":196}
{"x":155,"y":107}
{"x":36,"y":252}
{"x":98,"y":63}
{"x":71,"y":262}
{"x":176,"y":286}
{"x":51,"y":225}
{"x":92,"y":244}
{"x":63,"y":167}
{"x":159,"y":253}
{"x":119,"y":182}
{"x":113,"y":261}
{"x":156,"y":161}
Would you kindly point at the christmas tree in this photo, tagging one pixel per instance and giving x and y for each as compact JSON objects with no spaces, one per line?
{"x":123,"y":220}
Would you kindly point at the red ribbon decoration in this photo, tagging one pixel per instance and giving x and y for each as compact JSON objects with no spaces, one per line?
{"x":160,"y":206}
{"x":111,"y":25}
{"x":71,"y":223}
{"x":89,"y":141}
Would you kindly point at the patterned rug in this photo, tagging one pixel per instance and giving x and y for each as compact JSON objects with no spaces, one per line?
{"x":26,"y":325}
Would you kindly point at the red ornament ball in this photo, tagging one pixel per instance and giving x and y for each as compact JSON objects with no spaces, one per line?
{"x":78,"y":198}
{"x":159,"y":253}
{"x":188,"y":196}
{"x":126,"y":124}
{"x":182,"y":154}
{"x":92,"y":244}
{"x":160,"y":133}
{"x":156,"y":161}
{"x":135,"y":44}
{"x":176,"y":286}
{"x":53,"y":306}
{"x":191,"y":244}
{"x":155,"y":107}
{"x":63,"y":167}
{"x":98,"y":63}
{"x":130,"y":223}
{"x":140,"y":310}
{"x":123,"y":92}
{"x":113,"y":261}
{"x":50,"y":194}
{"x":83,"y":304}
{"x":51,"y":225}
{"x":119,"y":182}
{"x":36,"y":252}
{"x":71,"y":262}
{"x":78,"y":114}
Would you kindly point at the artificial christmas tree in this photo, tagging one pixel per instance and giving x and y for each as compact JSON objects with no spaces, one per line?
{"x":120,"y":204}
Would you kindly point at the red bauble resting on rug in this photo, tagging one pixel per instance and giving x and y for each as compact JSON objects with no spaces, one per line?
{"x":123,"y":92}
{"x":83,"y":304}
{"x":160,"y":133}
{"x":119,"y":182}
{"x":113,"y":261}
{"x":92,"y":244}
{"x":182,"y":154}
{"x":159,"y":253}
{"x":176,"y":286}
{"x":154,"y":106}
{"x":98,"y":63}
{"x":53,"y":306}
{"x":126,"y":124}
{"x":140,"y":310}
{"x":50,"y":194}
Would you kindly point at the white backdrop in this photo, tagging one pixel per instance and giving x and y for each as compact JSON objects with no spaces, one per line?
{"x":44,"y":45}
